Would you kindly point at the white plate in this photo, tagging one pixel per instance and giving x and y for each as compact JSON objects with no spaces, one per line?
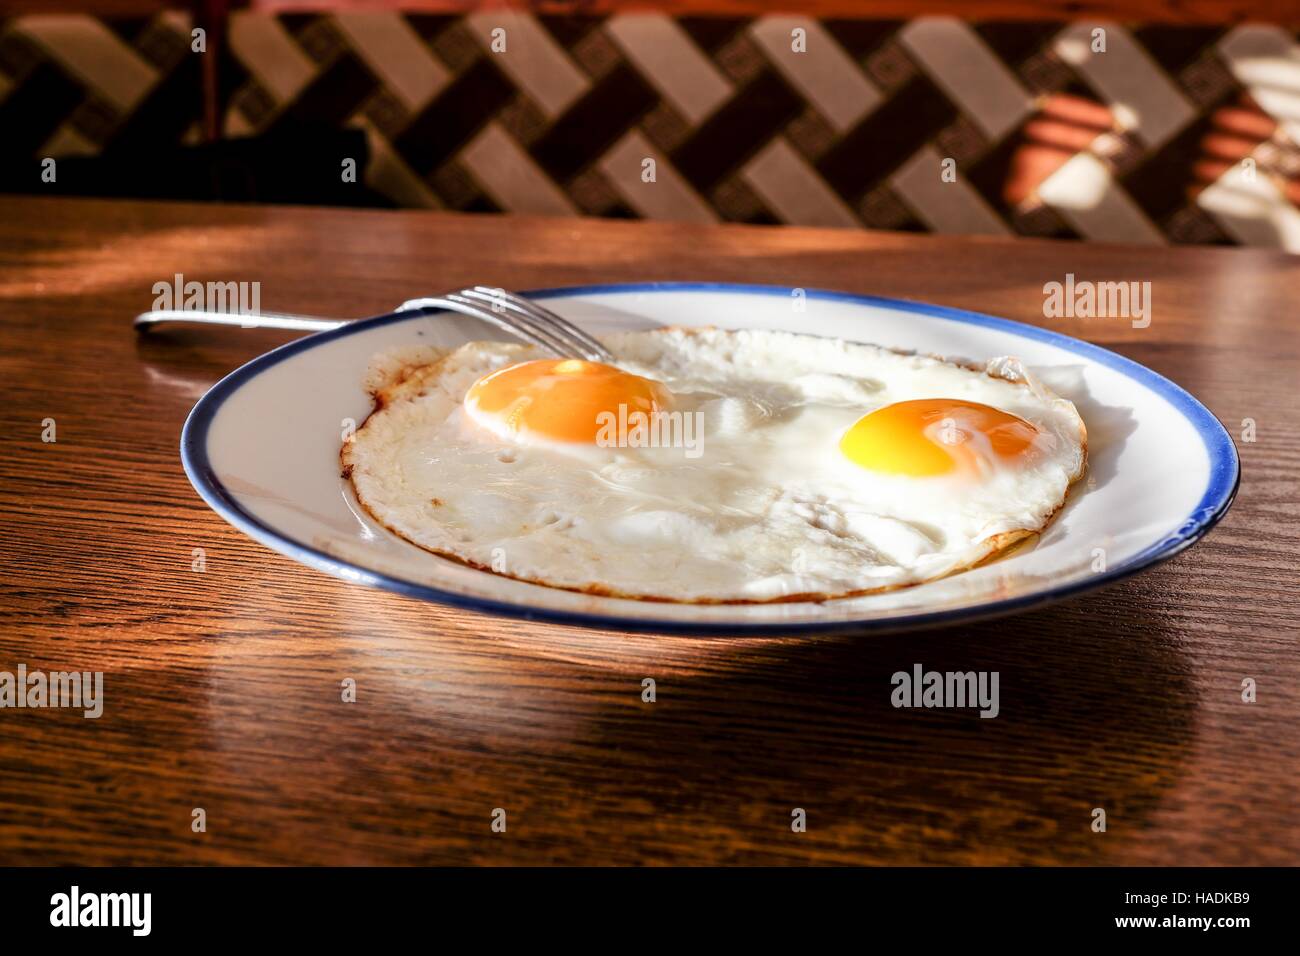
{"x":262,"y":449}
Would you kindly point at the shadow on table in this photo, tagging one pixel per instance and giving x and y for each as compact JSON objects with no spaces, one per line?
{"x":1094,"y":713}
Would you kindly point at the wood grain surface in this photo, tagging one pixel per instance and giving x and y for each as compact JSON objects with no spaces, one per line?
{"x":222,"y":688}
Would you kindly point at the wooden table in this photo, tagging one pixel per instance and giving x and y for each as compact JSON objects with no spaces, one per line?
{"x":222,"y":687}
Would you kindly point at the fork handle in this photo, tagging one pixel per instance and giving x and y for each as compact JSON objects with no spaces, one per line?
{"x":262,"y":320}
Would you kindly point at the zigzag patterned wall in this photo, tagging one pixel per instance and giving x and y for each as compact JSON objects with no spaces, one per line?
{"x":1169,"y":135}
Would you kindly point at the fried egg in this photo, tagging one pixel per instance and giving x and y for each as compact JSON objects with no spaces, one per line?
{"x":713,"y":465}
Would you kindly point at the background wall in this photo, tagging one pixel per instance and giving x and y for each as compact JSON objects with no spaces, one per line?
{"x":1172,"y":134}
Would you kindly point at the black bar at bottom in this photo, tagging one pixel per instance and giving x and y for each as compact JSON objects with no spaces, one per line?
{"x":641,"y":906}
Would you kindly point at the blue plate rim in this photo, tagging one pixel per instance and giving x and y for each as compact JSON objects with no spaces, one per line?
{"x":1221,"y":490}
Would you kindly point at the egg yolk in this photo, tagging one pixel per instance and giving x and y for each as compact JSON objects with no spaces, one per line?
{"x":561,"y":399}
{"x":935,"y":436}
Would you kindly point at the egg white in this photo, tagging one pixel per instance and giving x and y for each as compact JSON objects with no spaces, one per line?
{"x":765,"y":508}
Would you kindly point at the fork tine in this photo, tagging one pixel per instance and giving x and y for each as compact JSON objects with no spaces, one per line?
{"x":533,"y":320}
{"x":588,"y":341}
{"x":510,"y":313}
{"x":541,"y":332}
{"x":474,"y":310}
{"x":584,"y":341}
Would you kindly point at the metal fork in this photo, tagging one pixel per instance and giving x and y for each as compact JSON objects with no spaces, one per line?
{"x":505,"y":310}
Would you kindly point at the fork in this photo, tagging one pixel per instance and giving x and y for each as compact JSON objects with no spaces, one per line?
{"x":505,"y":310}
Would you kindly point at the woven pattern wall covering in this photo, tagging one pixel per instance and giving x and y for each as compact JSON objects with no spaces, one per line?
{"x":1112,"y":132}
